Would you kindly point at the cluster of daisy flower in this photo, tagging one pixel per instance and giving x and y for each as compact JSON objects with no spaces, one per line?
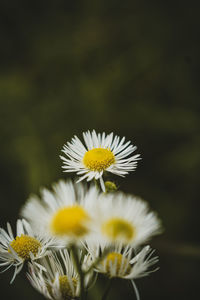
{"x":73,"y":232}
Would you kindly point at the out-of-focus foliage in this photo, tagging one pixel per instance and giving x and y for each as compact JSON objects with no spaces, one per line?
{"x":127,"y":67}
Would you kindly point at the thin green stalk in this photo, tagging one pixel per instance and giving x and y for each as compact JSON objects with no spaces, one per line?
{"x":96,"y":184}
{"x":107,"y":289}
{"x":136,"y":290}
{"x":79,"y":270}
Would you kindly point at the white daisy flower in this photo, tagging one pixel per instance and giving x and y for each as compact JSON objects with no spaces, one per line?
{"x":60,"y":281}
{"x":100,"y":153}
{"x":123,"y":262}
{"x":27,"y":245}
{"x":124,"y":219}
{"x":63,"y":213}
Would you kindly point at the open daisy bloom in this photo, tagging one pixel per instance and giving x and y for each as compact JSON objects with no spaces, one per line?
{"x":74,"y":232}
{"x":125,"y":219}
{"x":63,"y":213}
{"x":26,"y":246}
{"x":60,"y":281}
{"x":100,"y":153}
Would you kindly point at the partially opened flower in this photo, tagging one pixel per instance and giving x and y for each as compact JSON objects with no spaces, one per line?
{"x":124,"y":219}
{"x":100,"y":153}
{"x":123,"y":262}
{"x":63,"y":213}
{"x":60,"y":281}
{"x":25,"y":246}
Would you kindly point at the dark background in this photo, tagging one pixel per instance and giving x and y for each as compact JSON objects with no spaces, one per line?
{"x":131,"y":67}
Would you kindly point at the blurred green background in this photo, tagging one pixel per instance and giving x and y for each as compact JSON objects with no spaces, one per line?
{"x":131,"y":67}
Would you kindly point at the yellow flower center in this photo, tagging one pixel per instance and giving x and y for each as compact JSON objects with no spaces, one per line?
{"x":25,"y":244}
{"x":114,"y":261}
{"x":67,"y":288}
{"x":98,"y":159}
{"x":70,"y":220}
{"x":117,"y":228}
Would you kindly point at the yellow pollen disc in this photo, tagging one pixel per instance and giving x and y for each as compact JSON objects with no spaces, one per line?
{"x":70,"y":220}
{"x":25,"y":244}
{"x":67,"y":288}
{"x":116,"y":259}
{"x":98,"y":159}
{"x":117,"y":228}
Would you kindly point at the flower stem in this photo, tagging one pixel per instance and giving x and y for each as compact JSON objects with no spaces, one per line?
{"x":96,"y":184}
{"x":79,"y":270}
{"x":107,"y":289}
{"x":136,"y":290}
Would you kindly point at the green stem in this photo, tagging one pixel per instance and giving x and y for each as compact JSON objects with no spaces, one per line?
{"x":96,"y":184}
{"x":107,"y":289}
{"x":79,"y":270}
